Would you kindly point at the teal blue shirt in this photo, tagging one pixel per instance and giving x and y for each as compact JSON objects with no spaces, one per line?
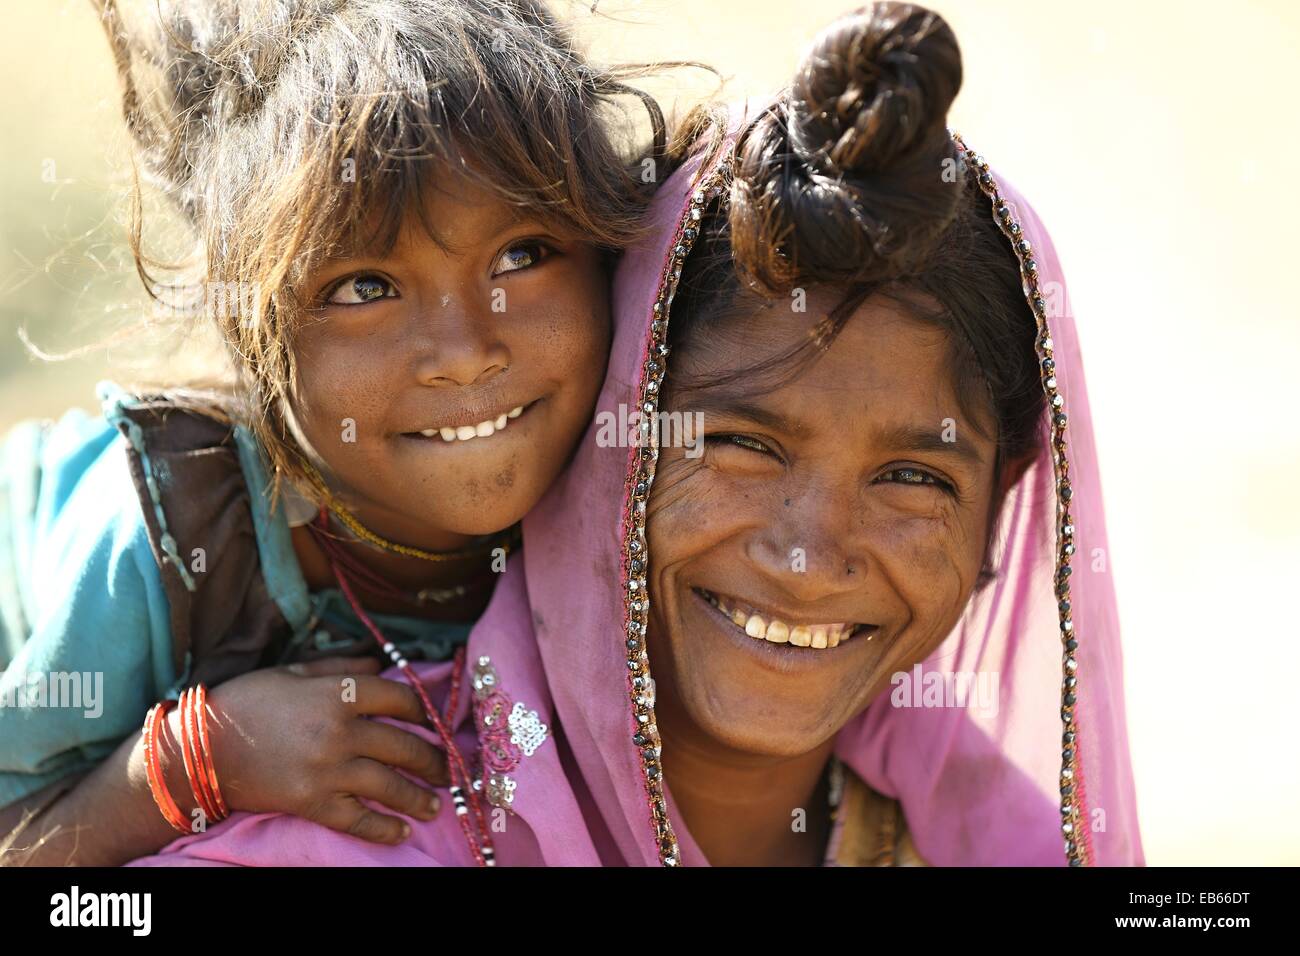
{"x":85,"y":626}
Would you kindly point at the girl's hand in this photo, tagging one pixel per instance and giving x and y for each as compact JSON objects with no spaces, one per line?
{"x":296,"y":740}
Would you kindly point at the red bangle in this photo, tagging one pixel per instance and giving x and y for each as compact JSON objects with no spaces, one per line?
{"x":153,"y":769}
{"x":191,"y":754}
{"x":185,"y":751}
{"x":202,"y":703}
{"x":198,"y":761}
{"x":195,"y":762}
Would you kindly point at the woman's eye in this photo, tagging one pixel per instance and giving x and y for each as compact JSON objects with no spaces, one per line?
{"x":913,"y":476}
{"x":360,"y":289}
{"x":520,"y":256}
{"x":741,"y":441}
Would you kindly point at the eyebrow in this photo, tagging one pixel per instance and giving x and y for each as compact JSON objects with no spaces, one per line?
{"x":740,"y":408}
{"x":914,"y":438}
{"x":484,"y":231}
{"x":904,"y":437}
{"x":494,"y":225}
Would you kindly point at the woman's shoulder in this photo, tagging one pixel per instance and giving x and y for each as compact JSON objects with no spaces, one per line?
{"x":872,"y":828}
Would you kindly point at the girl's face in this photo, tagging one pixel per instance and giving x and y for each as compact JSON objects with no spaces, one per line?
{"x":442,"y":385}
{"x":850,"y":504}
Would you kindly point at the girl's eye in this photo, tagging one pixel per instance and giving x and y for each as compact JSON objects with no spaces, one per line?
{"x":360,"y":289}
{"x":520,"y":256}
{"x":914,"y":476}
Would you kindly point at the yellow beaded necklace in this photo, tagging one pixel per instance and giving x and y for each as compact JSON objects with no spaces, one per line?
{"x":506,"y":540}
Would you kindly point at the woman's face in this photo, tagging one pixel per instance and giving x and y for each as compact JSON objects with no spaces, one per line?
{"x":442,"y":385}
{"x":829,"y":535}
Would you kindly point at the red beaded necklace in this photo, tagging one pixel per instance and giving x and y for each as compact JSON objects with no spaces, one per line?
{"x":464,"y":797}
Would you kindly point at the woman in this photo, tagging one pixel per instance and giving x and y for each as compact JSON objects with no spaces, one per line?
{"x":877,"y":500}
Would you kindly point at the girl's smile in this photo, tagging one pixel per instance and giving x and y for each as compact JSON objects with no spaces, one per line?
{"x":484,"y":429}
{"x":511,"y":432}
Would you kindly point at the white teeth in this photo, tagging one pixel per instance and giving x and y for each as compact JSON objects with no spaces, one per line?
{"x":483,"y":429}
{"x":779,"y":632}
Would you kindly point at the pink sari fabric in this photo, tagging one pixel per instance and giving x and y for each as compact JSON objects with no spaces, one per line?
{"x":976,"y":789}
{"x":987,"y":790}
{"x":544,"y":825}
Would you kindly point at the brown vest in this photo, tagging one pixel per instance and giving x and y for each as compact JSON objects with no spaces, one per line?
{"x":223,"y":618}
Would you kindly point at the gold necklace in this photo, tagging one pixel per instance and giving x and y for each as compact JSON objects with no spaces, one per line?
{"x":506,"y":540}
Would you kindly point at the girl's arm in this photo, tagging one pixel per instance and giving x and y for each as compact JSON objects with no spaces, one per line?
{"x":106,"y":819}
{"x":282,"y":740}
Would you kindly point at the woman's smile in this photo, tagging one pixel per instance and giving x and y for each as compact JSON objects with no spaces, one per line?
{"x":778,"y":652}
{"x":766,"y":625}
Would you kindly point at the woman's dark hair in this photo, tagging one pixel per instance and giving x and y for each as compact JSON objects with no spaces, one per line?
{"x":851,"y":181}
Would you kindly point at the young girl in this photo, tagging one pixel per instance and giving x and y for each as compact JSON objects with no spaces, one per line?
{"x":402,"y":213}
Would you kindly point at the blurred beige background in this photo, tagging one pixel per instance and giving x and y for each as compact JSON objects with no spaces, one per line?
{"x":1156,"y":139}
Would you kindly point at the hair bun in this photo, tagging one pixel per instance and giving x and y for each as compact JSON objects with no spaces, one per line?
{"x":842,"y":180}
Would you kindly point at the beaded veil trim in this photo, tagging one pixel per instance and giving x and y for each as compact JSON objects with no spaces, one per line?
{"x":1074,"y":813}
{"x":641,"y":471}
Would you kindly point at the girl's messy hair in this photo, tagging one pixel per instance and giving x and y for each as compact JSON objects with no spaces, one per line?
{"x":288,"y":131}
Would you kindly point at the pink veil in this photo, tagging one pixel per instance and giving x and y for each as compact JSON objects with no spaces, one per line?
{"x":1044,"y":780}
{"x":1054,"y":759}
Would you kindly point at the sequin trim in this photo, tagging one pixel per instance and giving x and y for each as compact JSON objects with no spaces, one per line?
{"x":1074,"y":813}
{"x":641,"y":471}
{"x":507,"y":732}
